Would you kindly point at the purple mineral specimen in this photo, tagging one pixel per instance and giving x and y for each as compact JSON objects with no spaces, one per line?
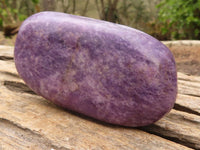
{"x":107,"y":71}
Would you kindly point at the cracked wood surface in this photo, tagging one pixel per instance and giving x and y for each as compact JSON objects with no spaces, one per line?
{"x":28,"y":121}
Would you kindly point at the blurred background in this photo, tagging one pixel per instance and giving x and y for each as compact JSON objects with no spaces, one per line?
{"x":163,"y":19}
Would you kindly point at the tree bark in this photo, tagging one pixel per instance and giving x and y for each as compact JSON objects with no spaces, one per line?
{"x":85,"y":8}
{"x":74,"y":7}
{"x":48,"y":5}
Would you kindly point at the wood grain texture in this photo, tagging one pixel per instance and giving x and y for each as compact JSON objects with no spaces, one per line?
{"x":28,"y":121}
{"x":180,"y":126}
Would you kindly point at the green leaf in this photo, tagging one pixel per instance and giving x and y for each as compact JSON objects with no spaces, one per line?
{"x":22,"y":17}
{"x":4,"y":13}
{"x":180,"y":17}
{"x":164,"y":30}
{"x":196,"y":32}
{"x":1,"y":22}
{"x":35,"y":1}
{"x":15,"y":11}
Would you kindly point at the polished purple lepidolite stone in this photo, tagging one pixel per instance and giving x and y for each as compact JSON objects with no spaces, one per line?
{"x":107,"y":71}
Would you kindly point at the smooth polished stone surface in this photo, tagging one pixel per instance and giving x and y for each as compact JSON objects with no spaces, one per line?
{"x":107,"y":71}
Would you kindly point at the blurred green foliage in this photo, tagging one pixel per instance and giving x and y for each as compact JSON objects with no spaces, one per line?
{"x":35,"y":1}
{"x":13,"y":11}
{"x":171,"y":19}
{"x":181,"y":18}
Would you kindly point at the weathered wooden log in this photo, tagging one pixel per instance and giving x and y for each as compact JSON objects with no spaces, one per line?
{"x":188,"y":103}
{"x":28,"y":121}
{"x":180,"y":126}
